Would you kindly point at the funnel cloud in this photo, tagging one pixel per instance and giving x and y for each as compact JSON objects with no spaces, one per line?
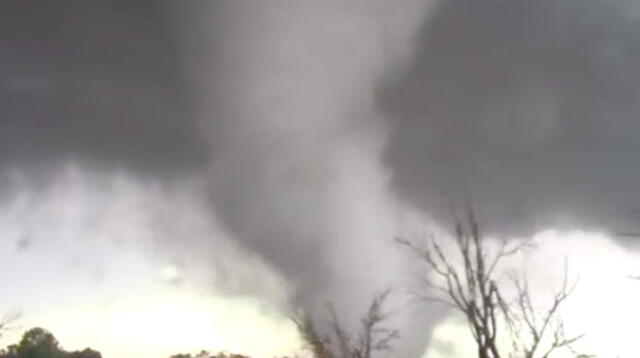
{"x":274,"y":149}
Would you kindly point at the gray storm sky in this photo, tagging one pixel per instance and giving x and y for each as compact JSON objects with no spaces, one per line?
{"x":304,"y":131}
{"x":502,"y":95}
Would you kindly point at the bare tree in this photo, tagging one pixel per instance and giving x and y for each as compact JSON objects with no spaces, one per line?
{"x":372,"y":336}
{"x":7,"y":322}
{"x":471,"y":287}
{"x":318,"y":345}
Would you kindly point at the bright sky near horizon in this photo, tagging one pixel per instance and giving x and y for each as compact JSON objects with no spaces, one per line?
{"x":176,"y":175}
{"x":602,"y":307}
{"x":100,"y":284}
{"x":164,"y":322}
{"x":150,"y":308}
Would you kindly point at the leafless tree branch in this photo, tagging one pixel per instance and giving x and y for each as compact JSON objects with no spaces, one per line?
{"x":473,"y":289}
{"x":372,"y":336}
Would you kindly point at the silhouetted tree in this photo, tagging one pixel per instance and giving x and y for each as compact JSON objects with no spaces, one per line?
{"x":372,"y":336}
{"x":10,"y":352}
{"x":206,"y":354}
{"x":472,"y":289}
{"x":85,"y":353}
{"x":181,"y":355}
{"x":7,"y":322}
{"x":40,"y":343}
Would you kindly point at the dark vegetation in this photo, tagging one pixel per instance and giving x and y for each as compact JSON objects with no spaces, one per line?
{"x":40,"y":343}
{"x":465,"y":280}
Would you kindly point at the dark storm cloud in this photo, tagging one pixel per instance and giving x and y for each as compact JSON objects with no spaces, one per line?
{"x":528,"y":108}
{"x":525,"y":107}
{"x":97,"y":81}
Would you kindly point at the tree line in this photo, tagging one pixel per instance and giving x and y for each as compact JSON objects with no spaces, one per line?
{"x":40,"y":343}
{"x":466,"y":280}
